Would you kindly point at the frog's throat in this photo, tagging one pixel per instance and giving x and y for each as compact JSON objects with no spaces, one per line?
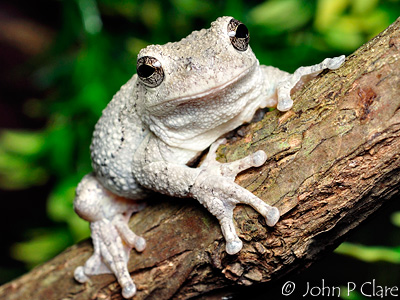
{"x":213,"y":91}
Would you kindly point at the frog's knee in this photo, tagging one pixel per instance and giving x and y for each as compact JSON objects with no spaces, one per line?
{"x":88,"y":194}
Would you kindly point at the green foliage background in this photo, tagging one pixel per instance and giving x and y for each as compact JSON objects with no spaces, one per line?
{"x":94,"y":53}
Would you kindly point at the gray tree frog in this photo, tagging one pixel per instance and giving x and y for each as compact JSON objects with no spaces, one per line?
{"x":184,"y":97}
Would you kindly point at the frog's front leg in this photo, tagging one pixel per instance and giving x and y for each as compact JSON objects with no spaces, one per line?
{"x":108,"y":215}
{"x":212,"y":184}
{"x":289,"y":82}
{"x":216,"y":190}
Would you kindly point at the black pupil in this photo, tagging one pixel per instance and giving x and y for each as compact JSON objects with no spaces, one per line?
{"x":242,"y":32}
{"x":145,"y":71}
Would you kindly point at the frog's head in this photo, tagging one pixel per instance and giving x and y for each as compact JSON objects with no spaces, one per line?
{"x":203,"y":63}
{"x":189,"y":88}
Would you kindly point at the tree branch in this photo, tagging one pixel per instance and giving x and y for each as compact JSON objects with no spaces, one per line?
{"x":333,"y":160}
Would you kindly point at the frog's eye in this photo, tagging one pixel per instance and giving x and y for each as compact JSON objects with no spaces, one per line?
{"x":238,"y":34}
{"x":150,"y":71}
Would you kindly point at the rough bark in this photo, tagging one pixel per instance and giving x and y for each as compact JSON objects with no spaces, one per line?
{"x":333,"y":160}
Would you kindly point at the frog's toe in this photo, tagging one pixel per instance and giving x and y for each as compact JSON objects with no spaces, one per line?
{"x":336,"y":62}
{"x":231,"y":169}
{"x":259,"y":158}
{"x":233,"y":243}
{"x":140,"y":244}
{"x":233,"y":247}
{"x":131,"y":239}
{"x":129,"y":290}
{"x":79,"y":275}
{"x":285,"y":104}
{"x":272,"y":216}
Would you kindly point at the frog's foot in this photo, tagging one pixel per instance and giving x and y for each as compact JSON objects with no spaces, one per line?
{"x":284,"y":89}
{"x":112,"y":242}
{"x":216,"y":190}
{"x":112,"y":238}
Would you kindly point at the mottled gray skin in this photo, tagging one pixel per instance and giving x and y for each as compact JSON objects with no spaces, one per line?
{"x":148,"y":134}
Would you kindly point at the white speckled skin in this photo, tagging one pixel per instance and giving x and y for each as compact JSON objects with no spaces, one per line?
{"x":148,"y":134}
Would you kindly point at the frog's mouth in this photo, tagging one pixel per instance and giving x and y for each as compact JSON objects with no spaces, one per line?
{"x":193,"y":122}
{"x":208,"y":93}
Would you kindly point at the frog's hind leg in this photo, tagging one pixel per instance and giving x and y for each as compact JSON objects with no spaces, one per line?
{"x":112,"y":239}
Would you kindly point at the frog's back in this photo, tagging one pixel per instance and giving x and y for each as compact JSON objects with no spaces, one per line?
{"x":117,"y":134}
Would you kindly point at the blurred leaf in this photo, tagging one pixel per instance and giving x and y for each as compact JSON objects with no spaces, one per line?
{"x":375,"y":22}
{"x":370,"y":253}
{"x":395,"y":218}
{"x":128,"y":9}
{"x":328,"y":11}
{"x":60,"y":145}
{"x":60,"y":207}
{"x":79,"y":228}
{"x":345,"y":34}
{"x":151,"y":13}
{"x":90,"y":16}
{"x":44,"y":244}
{"x":346,"y":24}
{"x":192,"y":7}
{"x":17,"y":173}
{"x":362,"y":7}
{"x":22,"y":142}
{"x":19,"y":152}
{"x":281,"y":15}
{"x":134,"y":45}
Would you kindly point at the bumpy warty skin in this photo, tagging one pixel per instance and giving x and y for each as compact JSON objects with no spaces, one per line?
{"x":185,"y":96}
{"x":209,"y":89}
{"x":206,"y":91}
{"x":117,"y":134}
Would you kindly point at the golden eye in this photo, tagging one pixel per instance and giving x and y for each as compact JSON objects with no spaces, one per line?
{"x":150,"y":71}
{"x":238,"y":34}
